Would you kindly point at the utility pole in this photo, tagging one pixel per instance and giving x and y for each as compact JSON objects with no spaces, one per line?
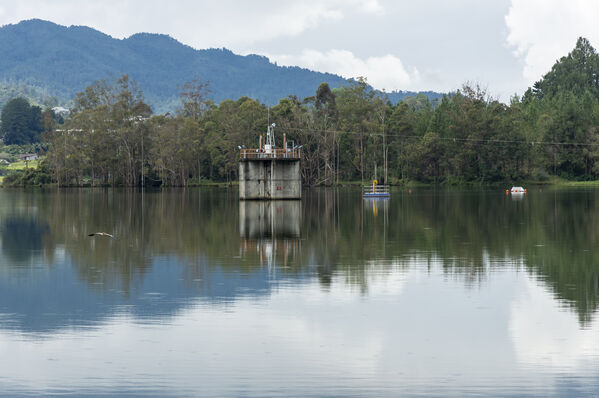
{"x":142,"y":159}
{"x":337,"y":159}
{"x":385,"y":147}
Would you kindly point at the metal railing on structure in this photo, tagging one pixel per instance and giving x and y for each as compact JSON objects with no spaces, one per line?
{"x":275,"y":153}
{"x":375,"y":190}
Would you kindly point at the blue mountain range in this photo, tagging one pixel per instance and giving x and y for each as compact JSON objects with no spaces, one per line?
{"x":44,"y":59}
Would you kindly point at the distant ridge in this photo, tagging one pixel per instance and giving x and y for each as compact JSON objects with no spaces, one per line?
{"x":44,"y":58}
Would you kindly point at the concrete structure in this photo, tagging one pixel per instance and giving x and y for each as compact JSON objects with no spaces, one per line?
{"x":267,"y":178}
{"x":269,"y":173}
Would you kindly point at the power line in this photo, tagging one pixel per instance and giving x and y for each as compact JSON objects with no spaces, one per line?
{"x":455,"y":139}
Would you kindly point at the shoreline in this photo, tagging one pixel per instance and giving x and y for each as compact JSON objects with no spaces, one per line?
{"x":553,"y":182}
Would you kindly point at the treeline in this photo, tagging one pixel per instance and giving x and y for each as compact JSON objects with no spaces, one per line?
{"x":349,"y":133}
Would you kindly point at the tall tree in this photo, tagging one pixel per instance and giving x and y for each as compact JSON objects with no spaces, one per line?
{"x":327,"y":119}
{"x":576,"y":72}
{"x":194,"y":98}
{"x":358,"y":105}
{"x":21,"y":123}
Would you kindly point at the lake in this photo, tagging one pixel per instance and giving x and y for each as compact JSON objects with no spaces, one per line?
{"x":431,"y":293}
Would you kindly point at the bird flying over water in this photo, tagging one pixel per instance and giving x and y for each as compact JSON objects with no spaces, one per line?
{"x":101,"y":234}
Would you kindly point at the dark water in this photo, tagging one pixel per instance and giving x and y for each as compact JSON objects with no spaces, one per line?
{"x":428,"y":294}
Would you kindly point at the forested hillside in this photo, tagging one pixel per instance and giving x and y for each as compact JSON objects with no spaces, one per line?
{"x":41,"y":60}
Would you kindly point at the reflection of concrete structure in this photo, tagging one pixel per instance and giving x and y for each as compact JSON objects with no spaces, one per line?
{"x":269,"y":172}
{"x":270,"y":219}
{"x":270,"y":228}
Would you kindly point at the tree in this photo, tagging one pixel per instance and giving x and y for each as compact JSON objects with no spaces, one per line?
{"x":105,"y":138}
{"x":21,"y":123}
{"x":326,"y":119}
{"x":358,"y":104}
{"x":576,"y":72}
{"x":194,"y":97}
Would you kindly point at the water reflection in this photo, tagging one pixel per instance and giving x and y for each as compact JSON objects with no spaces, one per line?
{"x":208,"y":236}
{"x":516,"y":196}
{"x":271,"y":229}
{"x":307,"y":341}
{"x":551,"y":234}
{"x":411,"y":295}
{"x":376,"y":206}
{"x":264,"y":219}
{"x":22,"y":238}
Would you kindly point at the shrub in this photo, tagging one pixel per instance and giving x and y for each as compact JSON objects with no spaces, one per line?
{"x":29,"y":177}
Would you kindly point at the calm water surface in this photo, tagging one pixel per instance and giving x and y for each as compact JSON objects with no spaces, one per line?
{"x":434,"y":293}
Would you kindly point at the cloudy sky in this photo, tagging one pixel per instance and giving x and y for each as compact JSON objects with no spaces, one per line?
{"x":504,"y":45}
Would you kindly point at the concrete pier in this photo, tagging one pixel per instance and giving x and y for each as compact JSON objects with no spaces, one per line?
{"x":269,"y":178}
{"x":268,"y":172}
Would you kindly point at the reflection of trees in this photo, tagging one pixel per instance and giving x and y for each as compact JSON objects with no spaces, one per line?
{"x":22,"y":237}
{"x":169,"y":223}
{"x":552,"y":234}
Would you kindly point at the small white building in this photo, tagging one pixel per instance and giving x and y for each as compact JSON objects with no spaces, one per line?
{"x":61,"y":111}
{"x":28,"y":157}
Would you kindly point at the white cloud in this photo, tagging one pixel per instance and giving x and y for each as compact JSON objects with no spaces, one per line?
{"x":542,"y":31}
{"x":371,"y":7}
{"x":383,"y":72}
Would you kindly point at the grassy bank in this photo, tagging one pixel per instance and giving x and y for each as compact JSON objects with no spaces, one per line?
{"x":560,"y":182}
{"x":30,"y":176}
{"x":25,"y":173}
{"x":18,"y":167}
{"x":22,"y":165}
{"x":556,"y":182}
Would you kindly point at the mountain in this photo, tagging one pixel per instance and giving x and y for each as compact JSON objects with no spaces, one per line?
{"x":40,"y":57}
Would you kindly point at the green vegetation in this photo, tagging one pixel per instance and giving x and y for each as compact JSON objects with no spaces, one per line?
{"x":21,"y":127}
{"x":22,"y":165}
{"x":35,"y":95}
{"x":350,"y":133}
{"x":21,"y":122}
{"x":32,"y":173}
{"x":560,"y":182}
